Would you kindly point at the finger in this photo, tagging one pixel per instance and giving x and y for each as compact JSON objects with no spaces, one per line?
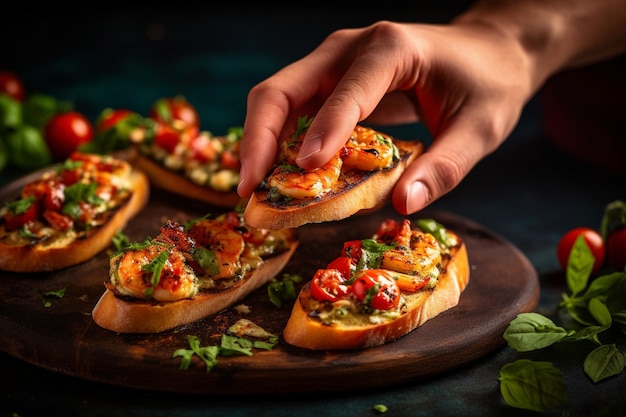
{"x":354,"y":98}
{"x":443,"y":166}
{"x":271,"y":111}
{"x":356,"y":95}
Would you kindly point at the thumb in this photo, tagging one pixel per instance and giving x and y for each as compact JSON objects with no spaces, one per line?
{"x":438,"y":171}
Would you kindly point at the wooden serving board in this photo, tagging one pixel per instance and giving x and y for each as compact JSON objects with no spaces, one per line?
{"x":62,"y":337}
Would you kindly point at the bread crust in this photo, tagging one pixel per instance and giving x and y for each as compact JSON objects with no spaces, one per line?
{"x":359,"y":191}
{"x":136,"y":316}
{"x":173,"y":182}
{"x":306,"y":332}
{"x":42,"y":258}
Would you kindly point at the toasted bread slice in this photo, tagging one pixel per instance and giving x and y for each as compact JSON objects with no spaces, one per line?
{"x":304,"y":329}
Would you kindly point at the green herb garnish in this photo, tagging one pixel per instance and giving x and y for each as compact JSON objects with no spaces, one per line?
{"x":597,"y":306}
{"x":284,"y":289}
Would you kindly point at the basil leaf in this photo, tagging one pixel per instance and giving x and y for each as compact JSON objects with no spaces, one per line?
{"x":233,"y":345}
{"x":604,"y":361}
{"x":438,"y":231}
{"x":372,"y":253}
{"x":531,"y":331}
{"x":207,"y":260}
{"x":530,"y":385}
{"x":579,"y":266}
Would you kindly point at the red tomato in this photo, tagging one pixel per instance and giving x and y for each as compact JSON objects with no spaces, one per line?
{"x":201,"y":149}
{"x":343,"y":264}
{"x":110,"y":117}
{"x":11,"y":85}
{"x":175,"y":111}
{"x":593,"y":239}
{"x":616,"y":249}
{"x":166,"y":137}
{"x":14,"y":221}
{"x":58,"y":221}
{"x":352,"y":249}
{"x":329,"y":285}
{"x":49,"y":192}
{"x":388,"y":230}
{"x":379,"y":290}
{"x":230,"y":160}
{"x":65,"y":132}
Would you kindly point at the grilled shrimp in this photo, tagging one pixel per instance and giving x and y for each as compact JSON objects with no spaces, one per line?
{"x":368,"y":150}
{"x":224,"y":241}
{"x":293,"y":181}
{"x":416,"y":253}
{"x":137,"y":273}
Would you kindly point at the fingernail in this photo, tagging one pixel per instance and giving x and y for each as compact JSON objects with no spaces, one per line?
{"x":242,"y":178}
{"x":417,"y":197}
{"x":310,"y":147}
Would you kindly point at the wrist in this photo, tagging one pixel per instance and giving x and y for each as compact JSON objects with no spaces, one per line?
{"x":555,"y":35}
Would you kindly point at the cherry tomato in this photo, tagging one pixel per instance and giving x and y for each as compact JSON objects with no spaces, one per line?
{"x":65,"y":132}
{"x":377,"y":289}
{"x":175,"y":111}
{"x":616,"y":249}
{"x":388,"y":230}
{"x":11,"y":85}
{"x":343,"y":264}
{"x":58,"y":221}
{"x":17,"y":217}
{"x":48,"y":192}
{"x":110,"y":117}
{"x":201,"y":149}
{"x":166,"y":137}
{"x":230,"y":160}
{"x":352,"y":249}
{"x":329,"y":285}
{"x":593,"y":239}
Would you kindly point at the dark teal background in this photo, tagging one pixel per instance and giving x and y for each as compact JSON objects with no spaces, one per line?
{"x":527,"y":191}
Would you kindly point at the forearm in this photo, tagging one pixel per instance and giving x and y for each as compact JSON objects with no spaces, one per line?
{"x":555,"y":34}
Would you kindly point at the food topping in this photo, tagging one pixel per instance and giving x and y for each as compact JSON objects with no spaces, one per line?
{"x":365,"y":150}
{"x":202,"y":255}
{"x":371,"y":277}
{"x":67,"y":202}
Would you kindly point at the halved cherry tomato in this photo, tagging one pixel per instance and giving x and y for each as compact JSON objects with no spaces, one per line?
{"x":11,"y":85}
{"x":201,"y":149}
{"x":592,"y":237}
{"x":166,"y":137}
{"x":65,"y":132}
{"x":388,"y":230}
{"x":329,"y":285}
{"x":352,"y":249}
{"x":229,"y":159}
{"x":58,"y":221}
{"x":377,"y":289}
{"x":49,"y":192}
{"x":22,"y":212}
{"x":175,"y":111}
{"x":343,"y":264}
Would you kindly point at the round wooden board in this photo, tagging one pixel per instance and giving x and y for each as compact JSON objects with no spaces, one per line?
{"x":62,"y":336}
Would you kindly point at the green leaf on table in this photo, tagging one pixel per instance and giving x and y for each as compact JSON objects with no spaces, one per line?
{"x":531,"y":385}
{"x":604,"y":361}
{"x":532,"y":331}
{"x":208,"y":354}
{"x":233,"y":345}
{"x":609,"y":289}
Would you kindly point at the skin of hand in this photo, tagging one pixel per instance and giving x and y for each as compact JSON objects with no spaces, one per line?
{"x":467,"y":81}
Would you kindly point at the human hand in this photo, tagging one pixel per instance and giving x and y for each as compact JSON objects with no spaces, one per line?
{"x":466,"y":82}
